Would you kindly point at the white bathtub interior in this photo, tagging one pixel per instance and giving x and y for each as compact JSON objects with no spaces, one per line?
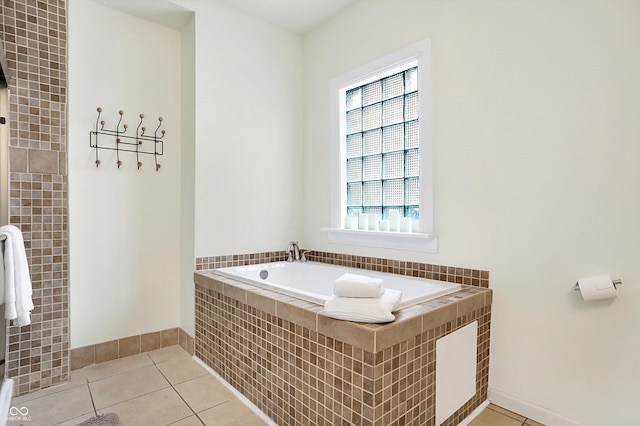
{"x":313,"y":281}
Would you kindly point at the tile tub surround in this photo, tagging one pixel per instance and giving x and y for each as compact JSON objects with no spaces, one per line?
{"x":451,"y":274}
{"x":300,"y":367}
{"x":34,"y":35}
{"x":213,"y":262}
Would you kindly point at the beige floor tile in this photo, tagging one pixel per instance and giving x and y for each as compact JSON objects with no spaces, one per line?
{"x":76,"y":420}
{"x":232,"y":413}
{"x":117,"y":366}
{"x":506,"y":412}
{"x":76,"y":378}
{"x":170,"y":353}
{"x":490,"y":417}
{"x":54,"y":408}
{"x":162,"y":407}
{"x":124,"y":386}
{"x":181,"y":370}
{"x":203,"y":393}
{"x":189,"y":421}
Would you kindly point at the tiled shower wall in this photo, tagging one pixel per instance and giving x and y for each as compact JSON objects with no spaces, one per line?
{"x":34,"y":34}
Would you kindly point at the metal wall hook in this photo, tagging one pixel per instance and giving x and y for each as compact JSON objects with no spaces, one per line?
{"x":119,"y":140}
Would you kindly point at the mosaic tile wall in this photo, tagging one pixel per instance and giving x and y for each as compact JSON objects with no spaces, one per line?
{"x":302,"y":368}
{"x":34,"y":35}
{"x":452,"y":274}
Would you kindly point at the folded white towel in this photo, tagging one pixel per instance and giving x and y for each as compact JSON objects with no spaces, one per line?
{"x":352,"y":285}
{"x":17,"y":282}
{"x":361,"y":309}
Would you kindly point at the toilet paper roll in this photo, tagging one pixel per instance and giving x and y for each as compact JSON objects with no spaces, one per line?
{"x":599,"y":287}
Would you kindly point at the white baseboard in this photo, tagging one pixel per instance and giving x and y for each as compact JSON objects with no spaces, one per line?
{"x":529,"y":410}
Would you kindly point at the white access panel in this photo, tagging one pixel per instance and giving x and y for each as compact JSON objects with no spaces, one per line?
{"x":456,"y":356}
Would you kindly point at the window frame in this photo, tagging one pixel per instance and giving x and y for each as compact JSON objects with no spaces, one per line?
{"x":416,"y":54}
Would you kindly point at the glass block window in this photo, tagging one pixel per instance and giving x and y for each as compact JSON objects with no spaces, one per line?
{"x":382,"y":146}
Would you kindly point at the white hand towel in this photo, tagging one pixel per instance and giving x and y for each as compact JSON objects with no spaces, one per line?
{"x":5,"y":400}
{"x":17,"y":288}
{"x":361,"y":309}
{"x":352,"y":285}
{"x":3,"y":280}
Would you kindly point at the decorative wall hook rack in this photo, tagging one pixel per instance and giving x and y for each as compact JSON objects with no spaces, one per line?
{"x":118,"y":140}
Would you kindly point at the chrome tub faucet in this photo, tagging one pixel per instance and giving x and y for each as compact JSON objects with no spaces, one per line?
{"x":295,"y":256}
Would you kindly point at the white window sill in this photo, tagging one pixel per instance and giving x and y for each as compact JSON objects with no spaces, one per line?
{"x":382,"y":239}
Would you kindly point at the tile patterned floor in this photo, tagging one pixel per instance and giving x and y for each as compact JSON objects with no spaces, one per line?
{"x":162,"y":387}
{"x":498,"y":416}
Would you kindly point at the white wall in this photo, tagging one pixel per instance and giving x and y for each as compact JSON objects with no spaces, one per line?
{"x":235,"y":178}
{"x":536,"y":178}
{"x":187,"y":180}
{"x":124,"y":223}
{"x":248,"y":129}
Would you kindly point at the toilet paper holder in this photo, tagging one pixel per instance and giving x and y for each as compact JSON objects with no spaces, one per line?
{"x":616,"y":283}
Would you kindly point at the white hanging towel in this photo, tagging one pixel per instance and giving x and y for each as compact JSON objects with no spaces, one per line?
{"x":15,"y":283}
{"x":5,"y":400}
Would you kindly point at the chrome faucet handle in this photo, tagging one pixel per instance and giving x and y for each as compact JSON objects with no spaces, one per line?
{"x":303,"y":257}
